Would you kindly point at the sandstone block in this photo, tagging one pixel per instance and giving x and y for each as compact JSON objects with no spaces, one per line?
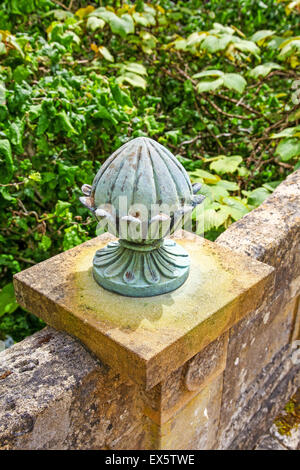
{"x":145,"y":338}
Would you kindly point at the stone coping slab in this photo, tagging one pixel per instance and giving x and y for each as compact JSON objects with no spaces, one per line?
{"x":145,"y":338}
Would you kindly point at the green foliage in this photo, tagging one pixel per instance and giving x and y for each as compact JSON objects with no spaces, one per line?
{"x":8,"y":302}
{"x":232,"y":81}
{"x":6,"y":161}
{"x":215,"y":81}
{"x":225,"y":164}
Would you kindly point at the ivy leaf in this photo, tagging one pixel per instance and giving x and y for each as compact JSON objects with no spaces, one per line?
{"x":226,"y":164}
{"x":105,"y":53}
{"x":209,"y":73}
{"x":288,"y":148}
{"x":144,"y":19}
{"x":34,"y":111}
{"x":2,"y":48}
{"x":288,"y":46}
{"x":243,"y":171}
{"x":66,"y":124}
{"x":204,"y":176}
{"x":218,"y":192}
{"x":119,"y":25}
{"x":6,"y":195}
{"x":120,"y":96}
{"x":2,"y":94}
{"x":264,"y":69}
{"x":16,"y":131}
{"x":83,"y":12}
{"x":94,"y":23}
{"x":123,"y":25}
{"x":148,"y":42}
{"x":288,"y":132}
{"x":6,"y":161}
{"x":8,"y":303}
{"x":295,"y":115}
{"x":229,"y":185}
{"x":71,"y":237}
{"x":219,"y":28}
{"x":14,"y":42}
{"x":235,"y":207}
{"x":209,"y":85}
{"x":135,"y":68}
{"x":43,"y":124}
{"x":35,"y":176}
{"x":260,"y":36}
{"x":21,"y":73}
{"x":179,"y":44}
{"x":103,"y":113}
{"x":271,"y":185}
{"x":61,"y":208}
{"x":134,"y":80}
{"x":152,"y":125}
{"x":247,"y":46}
{"x":209,"y":219}
{"x":213,"y":44}
{"x":256,"y":197}
{"x":45,"y":243}
{"x":234,"y":81}
{"x":61,"y":15}
{"x":297,"y":166}
{"x":139,"y":18}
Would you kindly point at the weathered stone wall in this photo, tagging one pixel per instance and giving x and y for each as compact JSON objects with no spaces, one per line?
{"x":55,"y":395}
{"x":260,"y":374}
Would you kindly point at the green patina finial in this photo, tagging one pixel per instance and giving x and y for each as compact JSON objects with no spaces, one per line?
{"x":142,"y":194}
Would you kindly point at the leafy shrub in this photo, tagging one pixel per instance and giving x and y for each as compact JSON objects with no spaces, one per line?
{"x":214,"y":81}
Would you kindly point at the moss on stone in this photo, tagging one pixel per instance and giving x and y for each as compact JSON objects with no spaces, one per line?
{"x":290,"y":418}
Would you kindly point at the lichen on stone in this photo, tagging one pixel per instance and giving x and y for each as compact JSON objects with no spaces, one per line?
{"x":289,"y":419}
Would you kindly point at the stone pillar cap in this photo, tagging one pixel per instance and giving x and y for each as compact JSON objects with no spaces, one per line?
{"x":145,"y":338}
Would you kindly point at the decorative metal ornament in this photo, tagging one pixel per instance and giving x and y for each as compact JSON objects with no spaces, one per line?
{"x":142,"y":194}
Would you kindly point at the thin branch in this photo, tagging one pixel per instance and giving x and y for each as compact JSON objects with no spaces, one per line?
{"x":285,"y":165}
{"x":186,"y":142}
{"x":12,"y":184}
{"x":25,"y":260}
{"x":216,"y":107}
{"x":240,"y":103}
{"x":60,"y":4}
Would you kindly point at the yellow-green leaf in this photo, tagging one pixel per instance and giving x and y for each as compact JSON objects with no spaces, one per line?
{"x":82,"y":12}
{"x":226,"y":164}
{"x":105,"y":53}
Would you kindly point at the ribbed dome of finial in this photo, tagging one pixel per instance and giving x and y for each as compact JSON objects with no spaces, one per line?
{"x":142,"y":263}
{"x":144,"y":172}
